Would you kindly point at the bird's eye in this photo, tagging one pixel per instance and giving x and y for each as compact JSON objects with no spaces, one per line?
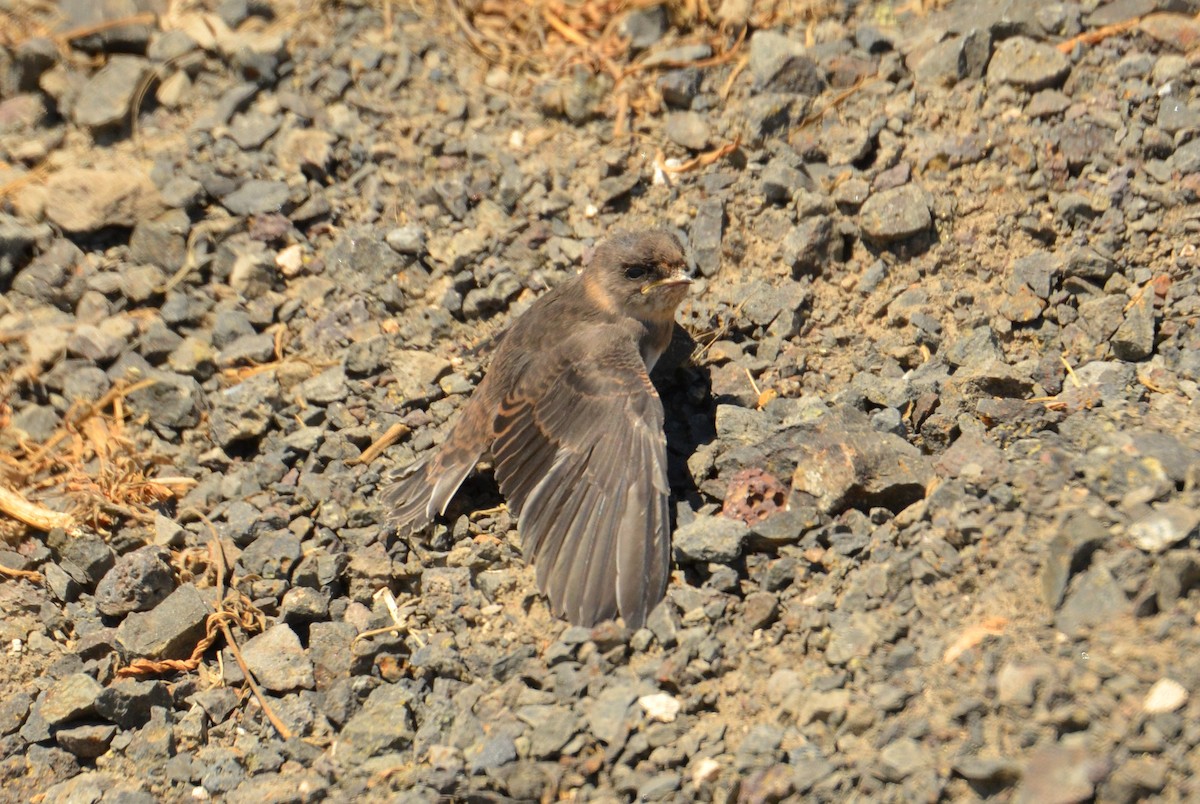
{"x":635,"y":272}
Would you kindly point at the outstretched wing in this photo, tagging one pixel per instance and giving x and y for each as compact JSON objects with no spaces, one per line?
{"x":580,"y":455}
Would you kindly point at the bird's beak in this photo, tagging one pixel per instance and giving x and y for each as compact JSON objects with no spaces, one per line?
{"x":674,"y":280}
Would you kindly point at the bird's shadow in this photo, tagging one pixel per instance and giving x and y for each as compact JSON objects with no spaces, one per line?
{"x":686,"y":392}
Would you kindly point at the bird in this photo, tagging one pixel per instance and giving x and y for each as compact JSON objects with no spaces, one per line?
{"x":574,"y":429}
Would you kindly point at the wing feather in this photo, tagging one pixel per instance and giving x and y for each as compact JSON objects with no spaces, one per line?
{"x":580,"y":454}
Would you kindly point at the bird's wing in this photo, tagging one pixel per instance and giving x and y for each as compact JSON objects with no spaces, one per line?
{"x":580,"y":455}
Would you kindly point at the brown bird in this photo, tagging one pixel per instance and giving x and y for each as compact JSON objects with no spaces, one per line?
{"x":575,"y":430}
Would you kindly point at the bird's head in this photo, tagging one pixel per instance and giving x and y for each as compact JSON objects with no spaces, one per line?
{"x":643,"y":274}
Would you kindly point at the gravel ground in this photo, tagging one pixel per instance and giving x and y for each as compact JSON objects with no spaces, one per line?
{"x":934,"y":414}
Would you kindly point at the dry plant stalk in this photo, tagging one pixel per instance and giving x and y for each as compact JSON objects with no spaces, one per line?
{"x":90,"y":461}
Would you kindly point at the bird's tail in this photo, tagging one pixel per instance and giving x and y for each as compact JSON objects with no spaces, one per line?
{"x":423,"y":489}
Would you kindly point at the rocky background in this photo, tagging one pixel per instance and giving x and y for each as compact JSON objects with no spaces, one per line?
{"x":935,"y":447}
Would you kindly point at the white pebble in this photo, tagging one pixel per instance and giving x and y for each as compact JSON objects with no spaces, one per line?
{"x":1166,"y":695}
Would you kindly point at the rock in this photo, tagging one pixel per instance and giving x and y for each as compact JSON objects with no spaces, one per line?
{"x":94,"y":344}
{"x":953,"y":59}
{"x":901,"y":759}
{"x":661,"y":707}
{"x":1134,"y":339}
{"x":86,"y":199}
{"x":680,"y":87}
{"x":1068,"y":553}
{"x":1096,"y":599}
{"x":806,"y":247}
{"x":842,"y":461}
{"x":244,"y":411}
{"x":1164,"y":527}
{"x":779,"y":64}
{"x":87,"y":741}
{"x":688,"y":129}
{"x":977,"y":348}
{"x":706,"y":233}
{"x":277,"y":660}
{"x":128,"y":702}
{"x":168,"y":631}
{"x":760,"y":610}
{"x":407,"y":240}
{"x":644,"y":26}
{"x":895,"y":214}
{"x":327,"y":387}
{"x":1016,"y":683}
{"x":710,"y":539}
{"x":1057,"y":774}
{"x":68,"y":699}
{"x":1027,"y":64}
{"x":256,"y":197}
{"x":416,"y":374}
{"x":854,"y":638}
{"x":383,"y":724}
{"x":1167,"y":695}
{"x":170,"y":402}
{"x":106,"y":97}
{"x":138,"y":581}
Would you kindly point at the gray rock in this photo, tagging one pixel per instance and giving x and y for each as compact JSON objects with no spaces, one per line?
{"x":1186,"y":158}
{"x":257,"y":196}
{"x":85,"y":384}
{"x":842,"y":460}
{"x":407,"y":240}
{"x":416,"y":374}
{"x":953,"y":59}
{"x":128,"y":702}
{"x":896,"y":214}
{"x":759,"y":610}
{"x":106,"y":97}
{"x":706,"y":233}
{"x":552,"y":728}
{"x":252,"y":129}
{"x":1095,"y":599}
{"x":168,"y":631}
{"x":68,"y":699}
{"x":384,"y":723}
{"x":86,"y":199}
{"x":1134,"y":339}
{"x":244,"y":411}
{"x":806,"y":247}
{"x":277,"y":660}
{"x":979,"y":347}
{"x":1017,"y":683}
{"x":679,"y":88}
{"x":780,"y":180}
{"x":710,"y":539}
{"x":170,"y":402}
{"x":495,"y":752}
{"x":1162,"y":528}
{"x":1068,"y":553}
{"x":94,"y":344}
{"x":327,"y":387}
{"x":1058,"y":774}
{"x":87,"y":741}
{"x":902,"y":758}
{"x":779,"y":64}
{"x":689,"y":129}
{"x":253,"y":349}
{"x":85,"y":557}
{"x":138,"y":581}
{"x":1176,"y":574}
{"x":855,"y":638}
{"x":644,"y":26}
{"x":1027,"y":64}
